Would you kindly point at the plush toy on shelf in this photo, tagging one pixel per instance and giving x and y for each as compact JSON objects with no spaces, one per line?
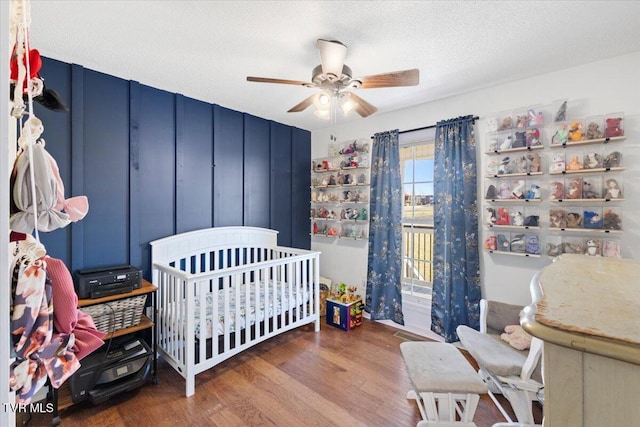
{"x":593,"y":131}
{"x":575,"y":132}
{"x":613,"y":127}
{"x":613,"y":190}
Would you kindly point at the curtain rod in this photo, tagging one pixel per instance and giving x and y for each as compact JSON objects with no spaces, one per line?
{"x":426,"y":127}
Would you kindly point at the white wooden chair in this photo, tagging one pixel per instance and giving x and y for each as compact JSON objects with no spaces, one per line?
{"x":513,"y":373}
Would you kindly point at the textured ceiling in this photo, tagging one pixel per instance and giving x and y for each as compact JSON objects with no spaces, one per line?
{"x":206,"y":49}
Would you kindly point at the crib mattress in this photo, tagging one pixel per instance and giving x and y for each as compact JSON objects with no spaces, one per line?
{"x":249,"y":313}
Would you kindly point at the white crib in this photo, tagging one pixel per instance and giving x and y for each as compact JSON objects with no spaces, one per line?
{"x":222,"y":290}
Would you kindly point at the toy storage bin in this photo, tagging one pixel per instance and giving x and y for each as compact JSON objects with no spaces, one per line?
{"x":115,"y":315}
{"x":345,"y":316}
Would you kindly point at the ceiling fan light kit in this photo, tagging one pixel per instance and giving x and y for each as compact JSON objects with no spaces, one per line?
{"x":335,"y":79}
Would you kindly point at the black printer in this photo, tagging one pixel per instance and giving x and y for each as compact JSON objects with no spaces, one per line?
{"x":118,"y":366}
{"x":105,"y":281}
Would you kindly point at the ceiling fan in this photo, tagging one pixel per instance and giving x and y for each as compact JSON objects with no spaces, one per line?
{"x":335,"y":79}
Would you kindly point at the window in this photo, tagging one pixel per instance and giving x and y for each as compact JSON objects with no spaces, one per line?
{"x":416,"y":163}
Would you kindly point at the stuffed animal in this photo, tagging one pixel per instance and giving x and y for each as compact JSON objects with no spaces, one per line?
{"x":611,"y":220}
{"x":574,"y":189}
{"x":505,"y":166}
{"x":531,"y":221}
{"x":612,"y":189}
{"x":521,"y":122}
{"x":610,"y":249}
{"x":507,"y":123}
{"x":533,"y":138}
{"x":557,"y":191}
{"x":503,"y":243}
{"x":504,"y":191}
{"x":557,"y":163}
{"x":575,"y":132}
{"x":517,"y":337}
{"x":612,"y":160}
{"x":613,"y":127}
{"x":561,"y":115}
{"x":535,"y":118}
{"x":534,"y":162}
{"x":492,"y":167}
{"x":592,"y":220}
{"x":491,"y":194}
{"x":593,"y":248}
{"x":521,"y":140}
{"x":492,"y":124}
{"x":554,"y":249}
{"x":517,"y":192}
{"x":588,"y":191}
{"x":593,"y":131}
{"x":533,"y":245}
{"x":491,"y":216}
{"x":517,"y":243}
{"x":519,"y":165}
{"x":592,"y":160}
{"x":517,"y":219}
{"x":572,"y":248}
{"x":502,"y":216}
{"x":561,"y":136}
{"x":507,"y":143}
{"x":574,"y":220}
{"x":491,"y":243}
{"x":575,"y":164}
{"x":533,"y":193}
{"x":557,"y":218}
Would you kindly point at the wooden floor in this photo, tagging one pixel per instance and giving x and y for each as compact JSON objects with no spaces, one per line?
{"x":331,"y":378}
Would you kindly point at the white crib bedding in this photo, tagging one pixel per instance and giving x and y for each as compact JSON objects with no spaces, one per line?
{"x":250,"y":313}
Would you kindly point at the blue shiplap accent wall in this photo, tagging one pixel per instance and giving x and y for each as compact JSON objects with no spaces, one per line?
{"x":154,"y":163}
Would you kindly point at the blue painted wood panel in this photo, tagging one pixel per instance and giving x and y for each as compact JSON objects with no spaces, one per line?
{"x":300,"y":188}
{"x":256,"y":171}
{"x":104,"y":166}
{"x":194,"y":164}
{"x":228,"y":167}
{"x":281,"y":182}
{"x":153,"y":160}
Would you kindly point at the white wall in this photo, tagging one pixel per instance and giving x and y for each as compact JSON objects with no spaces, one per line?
{"x":598,"y":88}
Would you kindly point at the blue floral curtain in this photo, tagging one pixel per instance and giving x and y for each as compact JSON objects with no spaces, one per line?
{"x":456,"y":280}
{"x":383,"y":298}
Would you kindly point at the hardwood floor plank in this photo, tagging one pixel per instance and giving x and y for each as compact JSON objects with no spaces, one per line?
{"x":333,"y":378}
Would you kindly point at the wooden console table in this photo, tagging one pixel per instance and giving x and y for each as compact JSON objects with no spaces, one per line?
{"x":587,"y":312}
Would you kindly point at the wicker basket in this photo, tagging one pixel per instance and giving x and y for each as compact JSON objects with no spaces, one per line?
{"x":115,"y":315}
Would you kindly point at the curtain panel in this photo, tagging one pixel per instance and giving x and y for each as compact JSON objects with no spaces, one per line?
{"x":456,"y":282}
{"x":383,"y":298}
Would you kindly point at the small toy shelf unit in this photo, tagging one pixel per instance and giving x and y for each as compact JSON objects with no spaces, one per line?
{"x":340,"y":192}
{"x":553,"y":182}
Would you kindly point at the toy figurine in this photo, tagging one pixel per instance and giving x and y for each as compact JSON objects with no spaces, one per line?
{"x":592,"y":220}
{"x":521,"y":122}
{"x":519,"y":165}
{"x":491,"y":216}
{"x":506,"y":123}
{"x":575,"y":164}
{"x":575,"y":131}
{"x":517,"y":219}
{"x":592,"y":160}
{"x":611,"y":220}
{"x":332,"y":180}
{"x":363,"y":214}
{"x":593,"y":131}
{"x":557,"y":163}
{"x":348,"y":179}
{"x":521,"y":140}
{"x":587,"y":191}
{"x":610,"y":249}
{"x":612,"y":189}
{"x":518,"y":190}
{"x":343,"y":214}
{"x":593,"y":248}
{"x":340,"y":178}
{"x":532,"y":221}
{"x":504,"y":191}
{"x":503,"y":243}
{"x":574,"y":189}
{"x":574,"y":220}
{"x":517,"y":243}
{"x":533,"y":193}
{"x":535,"y":119}
{"x":315,"y":228}
{"x":504,"y":168}
{"x":553,"y":249}
{"x":491,"y":243}
{"x":490,"y":195}
{"x":561,"y":136}
{"x":561,"y":115}
{"x":533,"y":138}
{"x":507,"y":143}
{"x":557,"y":218}
{"x":502,"y":216}
{"x":362,"y":179}
{"x":557,"y":191}
{"x":533,"y":245}
{"x":534,"y":162}
{"x":613,"y":127}
{"x":612,"y":160}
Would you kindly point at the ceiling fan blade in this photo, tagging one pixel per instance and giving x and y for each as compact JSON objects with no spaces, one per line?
{"x":302,"y":105}
{"x":281,"y":81}
{"x":393,"y":79}
{"x":364,"y":108}
{"x":332,"y":55}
